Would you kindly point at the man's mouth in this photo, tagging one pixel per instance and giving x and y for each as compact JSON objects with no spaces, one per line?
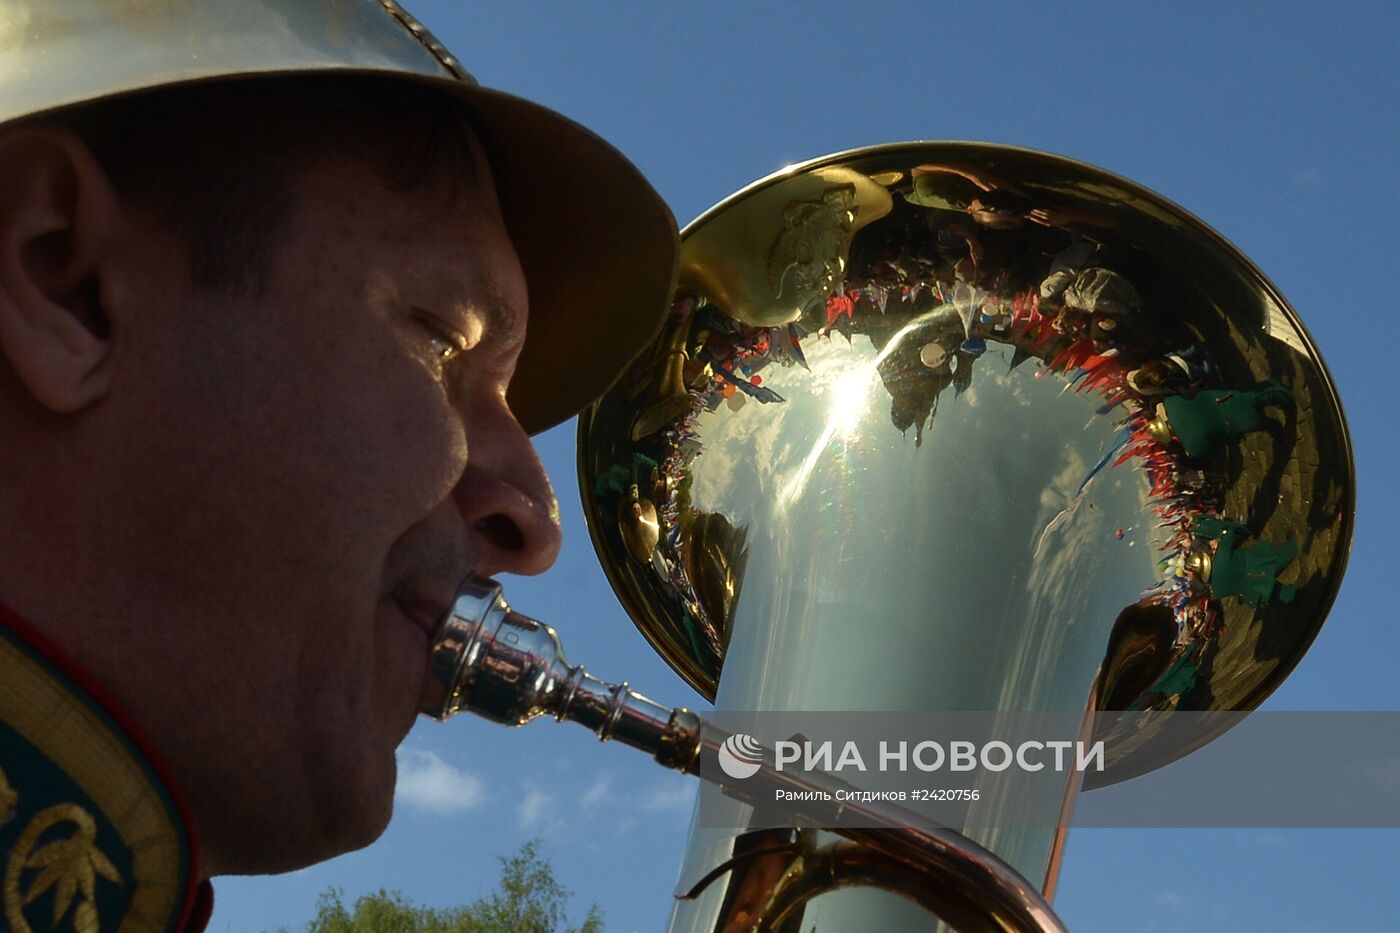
{"x":423,"y":612}
{"x":419,"y":608}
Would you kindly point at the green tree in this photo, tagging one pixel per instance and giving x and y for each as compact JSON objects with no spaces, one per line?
{"x":530,"y":900}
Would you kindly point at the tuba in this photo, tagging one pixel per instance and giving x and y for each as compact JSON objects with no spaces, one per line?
{"x":938,"y":427}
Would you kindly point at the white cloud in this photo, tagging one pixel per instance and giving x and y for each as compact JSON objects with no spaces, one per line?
{"x":426,"y":782}
{"x":672,"y":796}
{"x":666,"y":800}
{"x":535,"y":809}
{"x":595,"y":793}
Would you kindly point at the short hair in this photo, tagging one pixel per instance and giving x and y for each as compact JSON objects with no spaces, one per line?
{"x":216,"y":162}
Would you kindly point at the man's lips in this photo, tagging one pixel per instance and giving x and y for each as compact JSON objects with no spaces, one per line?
{"x":419,"y":608}
{"x":423,"y":612}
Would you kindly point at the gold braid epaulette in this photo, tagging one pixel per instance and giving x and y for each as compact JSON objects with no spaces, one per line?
{"x":71,"y":866}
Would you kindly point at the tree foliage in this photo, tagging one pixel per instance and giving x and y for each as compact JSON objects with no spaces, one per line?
{"x":529,"y":900}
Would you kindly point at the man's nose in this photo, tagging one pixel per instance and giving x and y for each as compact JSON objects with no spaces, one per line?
{"x":505,"y":496}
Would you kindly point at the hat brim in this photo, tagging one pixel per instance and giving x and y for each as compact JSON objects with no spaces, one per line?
{"x":598,"y":245}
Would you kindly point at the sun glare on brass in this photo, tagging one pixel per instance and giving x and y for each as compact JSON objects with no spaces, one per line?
{"x":848,"y":398}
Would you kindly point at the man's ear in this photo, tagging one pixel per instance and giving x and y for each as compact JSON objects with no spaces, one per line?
{"x":58,"y":215}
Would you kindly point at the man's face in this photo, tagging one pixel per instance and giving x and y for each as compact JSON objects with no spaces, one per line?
{"x":321,"y":464}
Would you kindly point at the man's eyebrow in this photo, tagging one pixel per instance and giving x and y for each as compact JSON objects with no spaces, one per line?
{"x":501,"y":318}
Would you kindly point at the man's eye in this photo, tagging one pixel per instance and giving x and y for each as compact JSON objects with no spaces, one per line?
{"x":444,"y":348}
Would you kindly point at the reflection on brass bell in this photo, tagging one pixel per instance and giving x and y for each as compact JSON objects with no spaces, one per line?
{"x":638,"y":525}
{"x":1160,"y":428}
{"x":666,"y":398}
{"x":1200,"y":563}
{"x":716,"y":554}
{"x":933,"y":356}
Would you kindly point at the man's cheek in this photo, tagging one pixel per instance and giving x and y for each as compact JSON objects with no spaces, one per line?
{"x":430,"y":449}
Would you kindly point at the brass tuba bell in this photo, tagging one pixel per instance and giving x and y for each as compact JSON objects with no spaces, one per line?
{"x":955,"y":426}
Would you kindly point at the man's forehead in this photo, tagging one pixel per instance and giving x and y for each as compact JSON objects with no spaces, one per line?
{"x":439,"y":245}
{"x":447,"y":213}
{"x":455,"y":261}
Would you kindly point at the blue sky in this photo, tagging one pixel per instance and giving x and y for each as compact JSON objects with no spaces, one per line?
{"x":1276,"y":123}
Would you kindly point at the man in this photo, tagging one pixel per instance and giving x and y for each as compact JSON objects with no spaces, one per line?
{"x":271,"y":349}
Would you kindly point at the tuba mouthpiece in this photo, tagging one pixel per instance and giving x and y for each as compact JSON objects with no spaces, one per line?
{"x":510,"y":669}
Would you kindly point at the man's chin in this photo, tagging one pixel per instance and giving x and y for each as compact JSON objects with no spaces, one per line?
{"x":343,"y":819}
{"x":358,"y":821}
